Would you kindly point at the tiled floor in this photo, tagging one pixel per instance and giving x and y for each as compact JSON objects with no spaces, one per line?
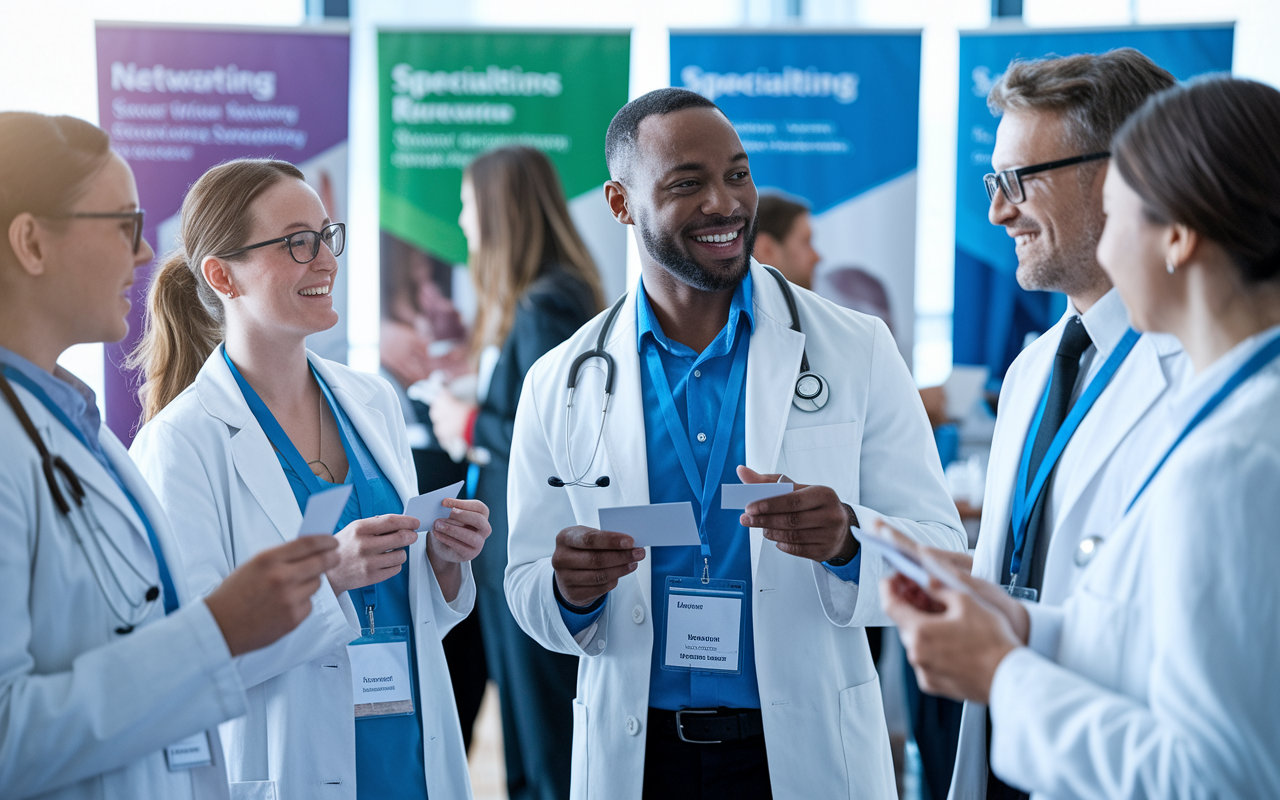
{"x":488,"y":775}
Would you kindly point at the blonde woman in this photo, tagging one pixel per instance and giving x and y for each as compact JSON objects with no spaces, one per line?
{"x":536,"y":284}
{"x":244,"y":425}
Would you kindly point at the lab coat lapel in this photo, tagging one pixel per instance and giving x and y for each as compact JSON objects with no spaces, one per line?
{"x":160,"y":521}
{"x":1135,"y":387}
{"x":372,"y":426}
{"x":625,"y":455}
{"x":95,"y":479}
{"x":255,"y":459}
{"x":773,"y":364}
{"x":1016,"y":410}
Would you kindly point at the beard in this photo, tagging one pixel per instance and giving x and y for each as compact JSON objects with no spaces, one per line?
{"x":670,"y":253}
{"x":1072,"y":268}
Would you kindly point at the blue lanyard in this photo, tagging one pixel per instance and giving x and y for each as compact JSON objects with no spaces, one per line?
{"x":166,"y":579}
{"x":1256,"y":363}
{"x":364,"y":477}
{"x":1024,"y":497}
{"x":703,"y":489}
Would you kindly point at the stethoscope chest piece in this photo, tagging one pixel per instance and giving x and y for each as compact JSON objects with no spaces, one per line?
{"x":811,"y":392}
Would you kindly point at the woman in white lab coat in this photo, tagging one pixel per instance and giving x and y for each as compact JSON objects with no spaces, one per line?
{"x":1155,"y":679}
{"x":245,"y":425}
{"x":111,"y":673}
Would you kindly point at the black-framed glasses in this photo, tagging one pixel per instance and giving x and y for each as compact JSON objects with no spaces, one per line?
{"x":135,"y":216}
{"x":304,"y":246}
{"x":1009,"y":181}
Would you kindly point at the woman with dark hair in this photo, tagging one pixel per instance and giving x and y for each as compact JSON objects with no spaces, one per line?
{"x":244,"y":426}
{"x":112,"y":671}
{"x":535,"y":284}
{"x":1154,"y":679}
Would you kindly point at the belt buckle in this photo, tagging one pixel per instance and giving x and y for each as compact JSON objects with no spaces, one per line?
{"x":680,"y":725}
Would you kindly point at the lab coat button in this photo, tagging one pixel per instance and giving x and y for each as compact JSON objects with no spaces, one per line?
{"x":637,"y":614}
{"x":697,"y":373}
{"x":633,"y":726}
{"x":702,"y":437}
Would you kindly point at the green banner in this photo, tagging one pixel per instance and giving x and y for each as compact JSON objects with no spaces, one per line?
{"x":445,"y":97}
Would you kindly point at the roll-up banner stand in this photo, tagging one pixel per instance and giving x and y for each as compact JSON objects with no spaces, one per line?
{"x":993,"y":316}
{"x":446,"y":97}
{"x":178,"y":100}
{"x":832,"y":119}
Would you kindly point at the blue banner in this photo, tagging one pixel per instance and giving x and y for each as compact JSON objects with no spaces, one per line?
{"x":992,"y":315}
{"x":833,"y":119}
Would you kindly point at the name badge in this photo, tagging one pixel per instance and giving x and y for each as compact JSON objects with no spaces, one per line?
{"x":704,"y":625}
{"x":189,"y":753}
{"x":381,"y":678}
{"x":1021,"y":592}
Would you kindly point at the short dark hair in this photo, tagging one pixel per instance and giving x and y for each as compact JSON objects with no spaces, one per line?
{"x":620,"y":140}
{"x":777,"y":213}
{"x":1095,"y":92}
{"x":1207,"y":155}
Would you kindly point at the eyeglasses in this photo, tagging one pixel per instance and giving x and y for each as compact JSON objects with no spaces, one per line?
{"x":1009,"y":181}
{"x":304,"y":246}
{"x":135,"y":216}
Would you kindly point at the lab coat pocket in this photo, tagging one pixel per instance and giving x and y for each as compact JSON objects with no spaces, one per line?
{"x":254,"y":790}
{"x":578,"y":784}
{"x":865,"y":740}
{"x":826,"y":455}
{"x":1094,"y":635}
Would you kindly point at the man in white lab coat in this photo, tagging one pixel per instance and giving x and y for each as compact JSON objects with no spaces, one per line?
{"x":1058,"y":117}
{"x":786,"y":574}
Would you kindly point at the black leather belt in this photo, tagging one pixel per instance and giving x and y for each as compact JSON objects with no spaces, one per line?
{"x":707,"y":725}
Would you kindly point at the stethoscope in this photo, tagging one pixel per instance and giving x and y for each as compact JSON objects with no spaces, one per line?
{"x":811,"y":390}
{"x":53,"y":465}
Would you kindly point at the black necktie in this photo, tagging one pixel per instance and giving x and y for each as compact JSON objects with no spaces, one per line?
{"x":1066,"y":368}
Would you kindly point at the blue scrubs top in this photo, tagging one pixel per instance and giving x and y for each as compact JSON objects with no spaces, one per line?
{"x":389,"y":760}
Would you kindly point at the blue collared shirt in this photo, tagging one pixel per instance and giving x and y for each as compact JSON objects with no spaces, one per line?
{"x":699,"y":383}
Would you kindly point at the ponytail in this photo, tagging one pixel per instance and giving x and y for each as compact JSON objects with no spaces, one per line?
{"x":178,"y":335}
{"x":185,"y":318}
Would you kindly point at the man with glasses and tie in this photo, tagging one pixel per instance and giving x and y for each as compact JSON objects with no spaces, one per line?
{"x":1081,"y":407}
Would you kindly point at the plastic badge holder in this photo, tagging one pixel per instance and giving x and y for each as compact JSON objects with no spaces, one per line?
{"x":384,"y":673}
{"x":702,"y":615}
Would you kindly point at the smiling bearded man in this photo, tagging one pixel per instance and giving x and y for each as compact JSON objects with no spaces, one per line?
{"x":692,"y":381}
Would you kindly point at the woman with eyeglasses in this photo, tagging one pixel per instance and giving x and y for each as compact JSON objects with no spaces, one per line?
{"x":112,"y":670}
{"x":1155,"y":678}
{"x":244,"y":425}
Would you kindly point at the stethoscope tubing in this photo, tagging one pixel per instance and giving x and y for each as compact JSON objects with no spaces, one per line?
{"x":52,"y":465}
{"x":806,"y":400}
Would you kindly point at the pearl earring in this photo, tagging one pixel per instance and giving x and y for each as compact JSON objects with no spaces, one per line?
{"x":1168,"y":266}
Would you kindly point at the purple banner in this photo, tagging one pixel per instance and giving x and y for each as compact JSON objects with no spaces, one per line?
{"x":177,"y":101}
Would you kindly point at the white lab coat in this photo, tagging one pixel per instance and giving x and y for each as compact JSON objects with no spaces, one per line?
{"x":1156,"y":678}
{"x":820,"y":698}
{"x":215,"y":471}
{"x":86,"y":712}
{"x":1097,"y":475}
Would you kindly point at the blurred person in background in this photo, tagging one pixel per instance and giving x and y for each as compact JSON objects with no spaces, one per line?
{"x":423,"y":334}
{"x":784,"y":238}
{"x":535,"y":284}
